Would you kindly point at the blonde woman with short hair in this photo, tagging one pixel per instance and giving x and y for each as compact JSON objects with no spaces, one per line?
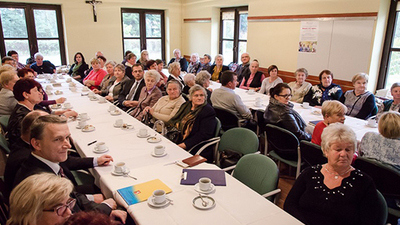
{"x":384,"y":146}
{"x":41,"y":199}
{"x":95,"y":77}
{"x":333,"y":111}
{"x":7,"y":100}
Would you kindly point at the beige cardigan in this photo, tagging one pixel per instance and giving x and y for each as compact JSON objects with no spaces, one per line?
{"x":165,"y":109}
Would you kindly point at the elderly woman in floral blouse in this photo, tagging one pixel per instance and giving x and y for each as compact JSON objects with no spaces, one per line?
{"x":326,"y":90}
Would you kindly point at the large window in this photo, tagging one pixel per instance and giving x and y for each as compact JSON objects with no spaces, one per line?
{"x":29,"y":28}
{"x":143,"y":29}
{"x":233,"y":33}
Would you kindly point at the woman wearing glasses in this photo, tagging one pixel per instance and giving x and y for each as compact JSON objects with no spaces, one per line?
{"x":280,"y":112}
{"x":41,"y":199}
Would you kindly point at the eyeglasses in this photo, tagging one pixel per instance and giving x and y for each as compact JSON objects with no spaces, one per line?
{"x":60,"y":210}
{"x":286,"y":96}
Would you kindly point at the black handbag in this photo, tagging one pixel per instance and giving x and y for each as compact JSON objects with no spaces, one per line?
{"x":174,"y":135}
{"x":147,"y":120}
{"x":229,"y":158}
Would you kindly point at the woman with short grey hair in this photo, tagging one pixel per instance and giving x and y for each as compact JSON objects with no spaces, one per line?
{"x":103,"y":88}
{"x":189,"y":80}
{"x":174,"y":70}
{"x":335,"y":192}
{"x":300,"y":87}
{"x":149,"y":94}
{"x":218,"y":68}
{"x":42,"y":66}
{"x":194,"y":63}
{"x":203,"y":79}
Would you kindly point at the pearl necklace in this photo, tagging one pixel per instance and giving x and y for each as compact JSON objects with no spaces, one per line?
{"x":336,"y":176}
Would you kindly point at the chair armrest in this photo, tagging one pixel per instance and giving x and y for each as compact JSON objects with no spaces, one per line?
{"x":274,"y":192}
{"x":229,"y":168}
{"x":206,"y":143}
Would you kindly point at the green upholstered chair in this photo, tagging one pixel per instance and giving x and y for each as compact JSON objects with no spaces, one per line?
{"x":259,"y":173}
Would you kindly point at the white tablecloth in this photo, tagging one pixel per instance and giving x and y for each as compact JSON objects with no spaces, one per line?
{"x":235,"y":203}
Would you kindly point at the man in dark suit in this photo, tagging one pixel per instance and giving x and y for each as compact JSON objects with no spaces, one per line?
{"x":130,"y":90}
{"x":21,"y":149}
{"x":50,"y":141}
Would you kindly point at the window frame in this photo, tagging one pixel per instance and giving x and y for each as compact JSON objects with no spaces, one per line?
{"x":142,"y":27}
{"x":31,"y":29}
{"x":387,"y":47}
{"x":235,"y":39}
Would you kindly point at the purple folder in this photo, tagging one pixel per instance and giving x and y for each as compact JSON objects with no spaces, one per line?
{"x":193,"y":175}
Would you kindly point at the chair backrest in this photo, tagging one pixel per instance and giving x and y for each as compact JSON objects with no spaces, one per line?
{"x":386,"y":178}
{"x":240,"y":140}
{"x":383,"y":209}
{"x":217,"y":128}
{"x":4,"y":144}
{"x":311,"y":154}
{"x":4,"y":122}
{"x":258,"y":172}
{"x":282,"y":141}
{"x":227,"y":118}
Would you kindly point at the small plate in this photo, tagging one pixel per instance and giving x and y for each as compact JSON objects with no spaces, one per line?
{"x":158,"y":156}
{"x":56,"y":106}
{"x":153,"y":139}
{"x":127,"y":127}
{"x":68,"y":107}
{"x":197,"y":188}
{"x":150,"y":201}
{"x":120,"y":174}
{"x":88,"y":129}
{"x":148,"y":135}
{"x":316,"y":112}
{"x":58,"y":92}
{"x":258,"y":105}
{"x":85,"y":90}
{"x":93,"y":99}
{"x":251,"y":93}
{"x":100,"y":102}
{"x":95,"y":150}
{"x":197,"y":202}
{"x":373,"y":126}
{"x":115,"y":113}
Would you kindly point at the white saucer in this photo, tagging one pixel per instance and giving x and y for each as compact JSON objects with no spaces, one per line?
{"x":116,"y":126}
{"x":197,"y":202}
{"x":78,"y":127}
{"x":102,"y":102}
{"x":115,"y":114}
{"x":148,"y":135}
{"x":94,"y":99}
{"x":316,"y":112}
{"x":120,"y":174}
{"x":258,"y":105}
{"x":85,"y":90}
{"x":151,"y":202}
{"x":197,"y":188}
{"x":58,"y":93}
{"x":79,"y":118}
{"x":376,"y":125}
{"x":68,"y":107}
{"x":158,"y":156}
{"x":99,"y":152}
{"x":251,"y":93}
{"x":91,"y":128}
{"x":153,"y":139}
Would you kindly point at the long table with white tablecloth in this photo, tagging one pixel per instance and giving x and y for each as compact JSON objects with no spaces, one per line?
{"x":235,"y":202}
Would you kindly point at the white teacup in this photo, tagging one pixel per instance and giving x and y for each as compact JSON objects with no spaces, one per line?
{"x":67,"y":105}
{"x":82,"y":123}
{"x":73,"y":89}
{"x":101,"y":146}
{"x":84,"y":88}
{"x":119,"y":122}
{"x":251,"y":91}
{"x":204,"y":183}
{"x":72,"y":84}
{"x":372,"y":122}
{"x":112,"y":108}
{"x":159,"y":150}
{"x":258,"y":101}
{"x":120,"y":167}
{"x":83,"y":116}
{"x":91,"y":94}
{"x":306,"y":105}
{"x":143,"y":132}
{"x":159,"y":196}
{"x":49,"y":87}
{"x":69,"y":79}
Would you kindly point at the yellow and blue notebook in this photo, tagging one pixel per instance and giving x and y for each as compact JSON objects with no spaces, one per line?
{"x":141,"y":192}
